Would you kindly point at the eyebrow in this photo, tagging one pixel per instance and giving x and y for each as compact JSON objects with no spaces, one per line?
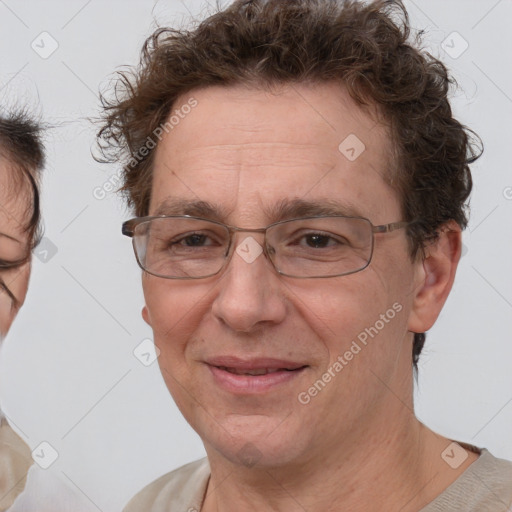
{"x":283,"y":210}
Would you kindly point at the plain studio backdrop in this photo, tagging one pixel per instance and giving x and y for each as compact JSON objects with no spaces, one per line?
{"x":69,"y":375}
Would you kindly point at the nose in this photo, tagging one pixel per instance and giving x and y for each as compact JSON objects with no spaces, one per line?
{"x":250,"y":290}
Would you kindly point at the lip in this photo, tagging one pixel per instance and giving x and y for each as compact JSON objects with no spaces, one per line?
{"x":283,"y":372}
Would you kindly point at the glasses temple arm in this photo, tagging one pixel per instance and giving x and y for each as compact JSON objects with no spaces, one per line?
{"x":386,"y":228}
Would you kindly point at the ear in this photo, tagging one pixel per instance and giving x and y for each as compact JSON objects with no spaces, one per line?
{"x":145,"y":315}
{"x":434,"y":278}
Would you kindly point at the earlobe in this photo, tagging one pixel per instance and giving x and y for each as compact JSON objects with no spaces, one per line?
{"x":435,"y":276}
{"x":145,"y":315}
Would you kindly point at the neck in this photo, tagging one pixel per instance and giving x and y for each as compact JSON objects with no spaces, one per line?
{"x":393,"y":466}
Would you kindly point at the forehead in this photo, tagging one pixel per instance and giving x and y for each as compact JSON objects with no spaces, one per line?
{"x":247,"y":148}
{"x":15,"y":210}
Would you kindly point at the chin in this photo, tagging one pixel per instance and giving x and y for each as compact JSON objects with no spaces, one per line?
{"x":257,"y":444}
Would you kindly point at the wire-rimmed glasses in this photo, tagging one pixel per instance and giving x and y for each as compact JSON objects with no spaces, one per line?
{"x":187,"y":247}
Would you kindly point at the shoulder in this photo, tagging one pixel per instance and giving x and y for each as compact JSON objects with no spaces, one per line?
{"x":181,"y":490}
{"x":15,"y":461}
{"x":485,"y":486}
{"x":46,"y":490}
{"x":496,"y":475}
{"x":10,"y":442}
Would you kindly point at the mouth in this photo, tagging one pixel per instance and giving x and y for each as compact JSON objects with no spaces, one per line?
{"x":253,"y":376}
{"x":257,"y":371}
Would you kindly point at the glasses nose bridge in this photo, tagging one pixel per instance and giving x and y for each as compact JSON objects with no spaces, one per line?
{"x":235,"y":229}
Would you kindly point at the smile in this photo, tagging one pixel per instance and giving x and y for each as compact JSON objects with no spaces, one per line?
{"x":249,"y":378}
{"x":260,"y":371}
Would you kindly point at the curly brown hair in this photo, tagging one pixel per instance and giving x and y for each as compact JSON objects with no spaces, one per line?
{"x":365,"y":46}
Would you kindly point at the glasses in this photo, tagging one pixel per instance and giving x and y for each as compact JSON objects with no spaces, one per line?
{"x":186,"y":247}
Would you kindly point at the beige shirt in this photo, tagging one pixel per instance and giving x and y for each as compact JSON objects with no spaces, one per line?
{"x":15,"y":460}
{"x":485,"y":486}
{"x":25,"y":487}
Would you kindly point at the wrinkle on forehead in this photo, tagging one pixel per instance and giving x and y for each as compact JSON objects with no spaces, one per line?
{"x":234,"y":156}
{"x":236,"y":141}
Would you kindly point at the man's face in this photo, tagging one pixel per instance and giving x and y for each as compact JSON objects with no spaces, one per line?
{"x":14,"y":246}
{"x":246,"y":151}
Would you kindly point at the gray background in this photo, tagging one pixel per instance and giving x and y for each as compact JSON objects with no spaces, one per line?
{"x":68,"y":372}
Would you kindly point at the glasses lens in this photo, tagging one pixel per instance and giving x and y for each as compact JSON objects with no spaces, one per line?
{"x":180,"y":248}
{"x":321,"y":247}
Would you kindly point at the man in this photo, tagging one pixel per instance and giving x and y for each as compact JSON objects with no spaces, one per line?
{"x":21,"y":161}
{"x":300,"y":188}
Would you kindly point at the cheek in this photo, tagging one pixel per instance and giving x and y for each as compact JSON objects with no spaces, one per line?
{"x":174,"y":311}
{"x":361,"y":318}
{"x":360,"y":325}
{"x":339,"y":309}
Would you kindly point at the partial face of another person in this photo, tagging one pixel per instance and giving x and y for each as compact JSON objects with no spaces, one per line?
{"x":15,"y":210}
{"x":247,"y":151}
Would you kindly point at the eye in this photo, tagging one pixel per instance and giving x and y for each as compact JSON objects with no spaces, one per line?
{"x":317,"y":240}
{"x":320,"y":240}
{"x":192,"y":240}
